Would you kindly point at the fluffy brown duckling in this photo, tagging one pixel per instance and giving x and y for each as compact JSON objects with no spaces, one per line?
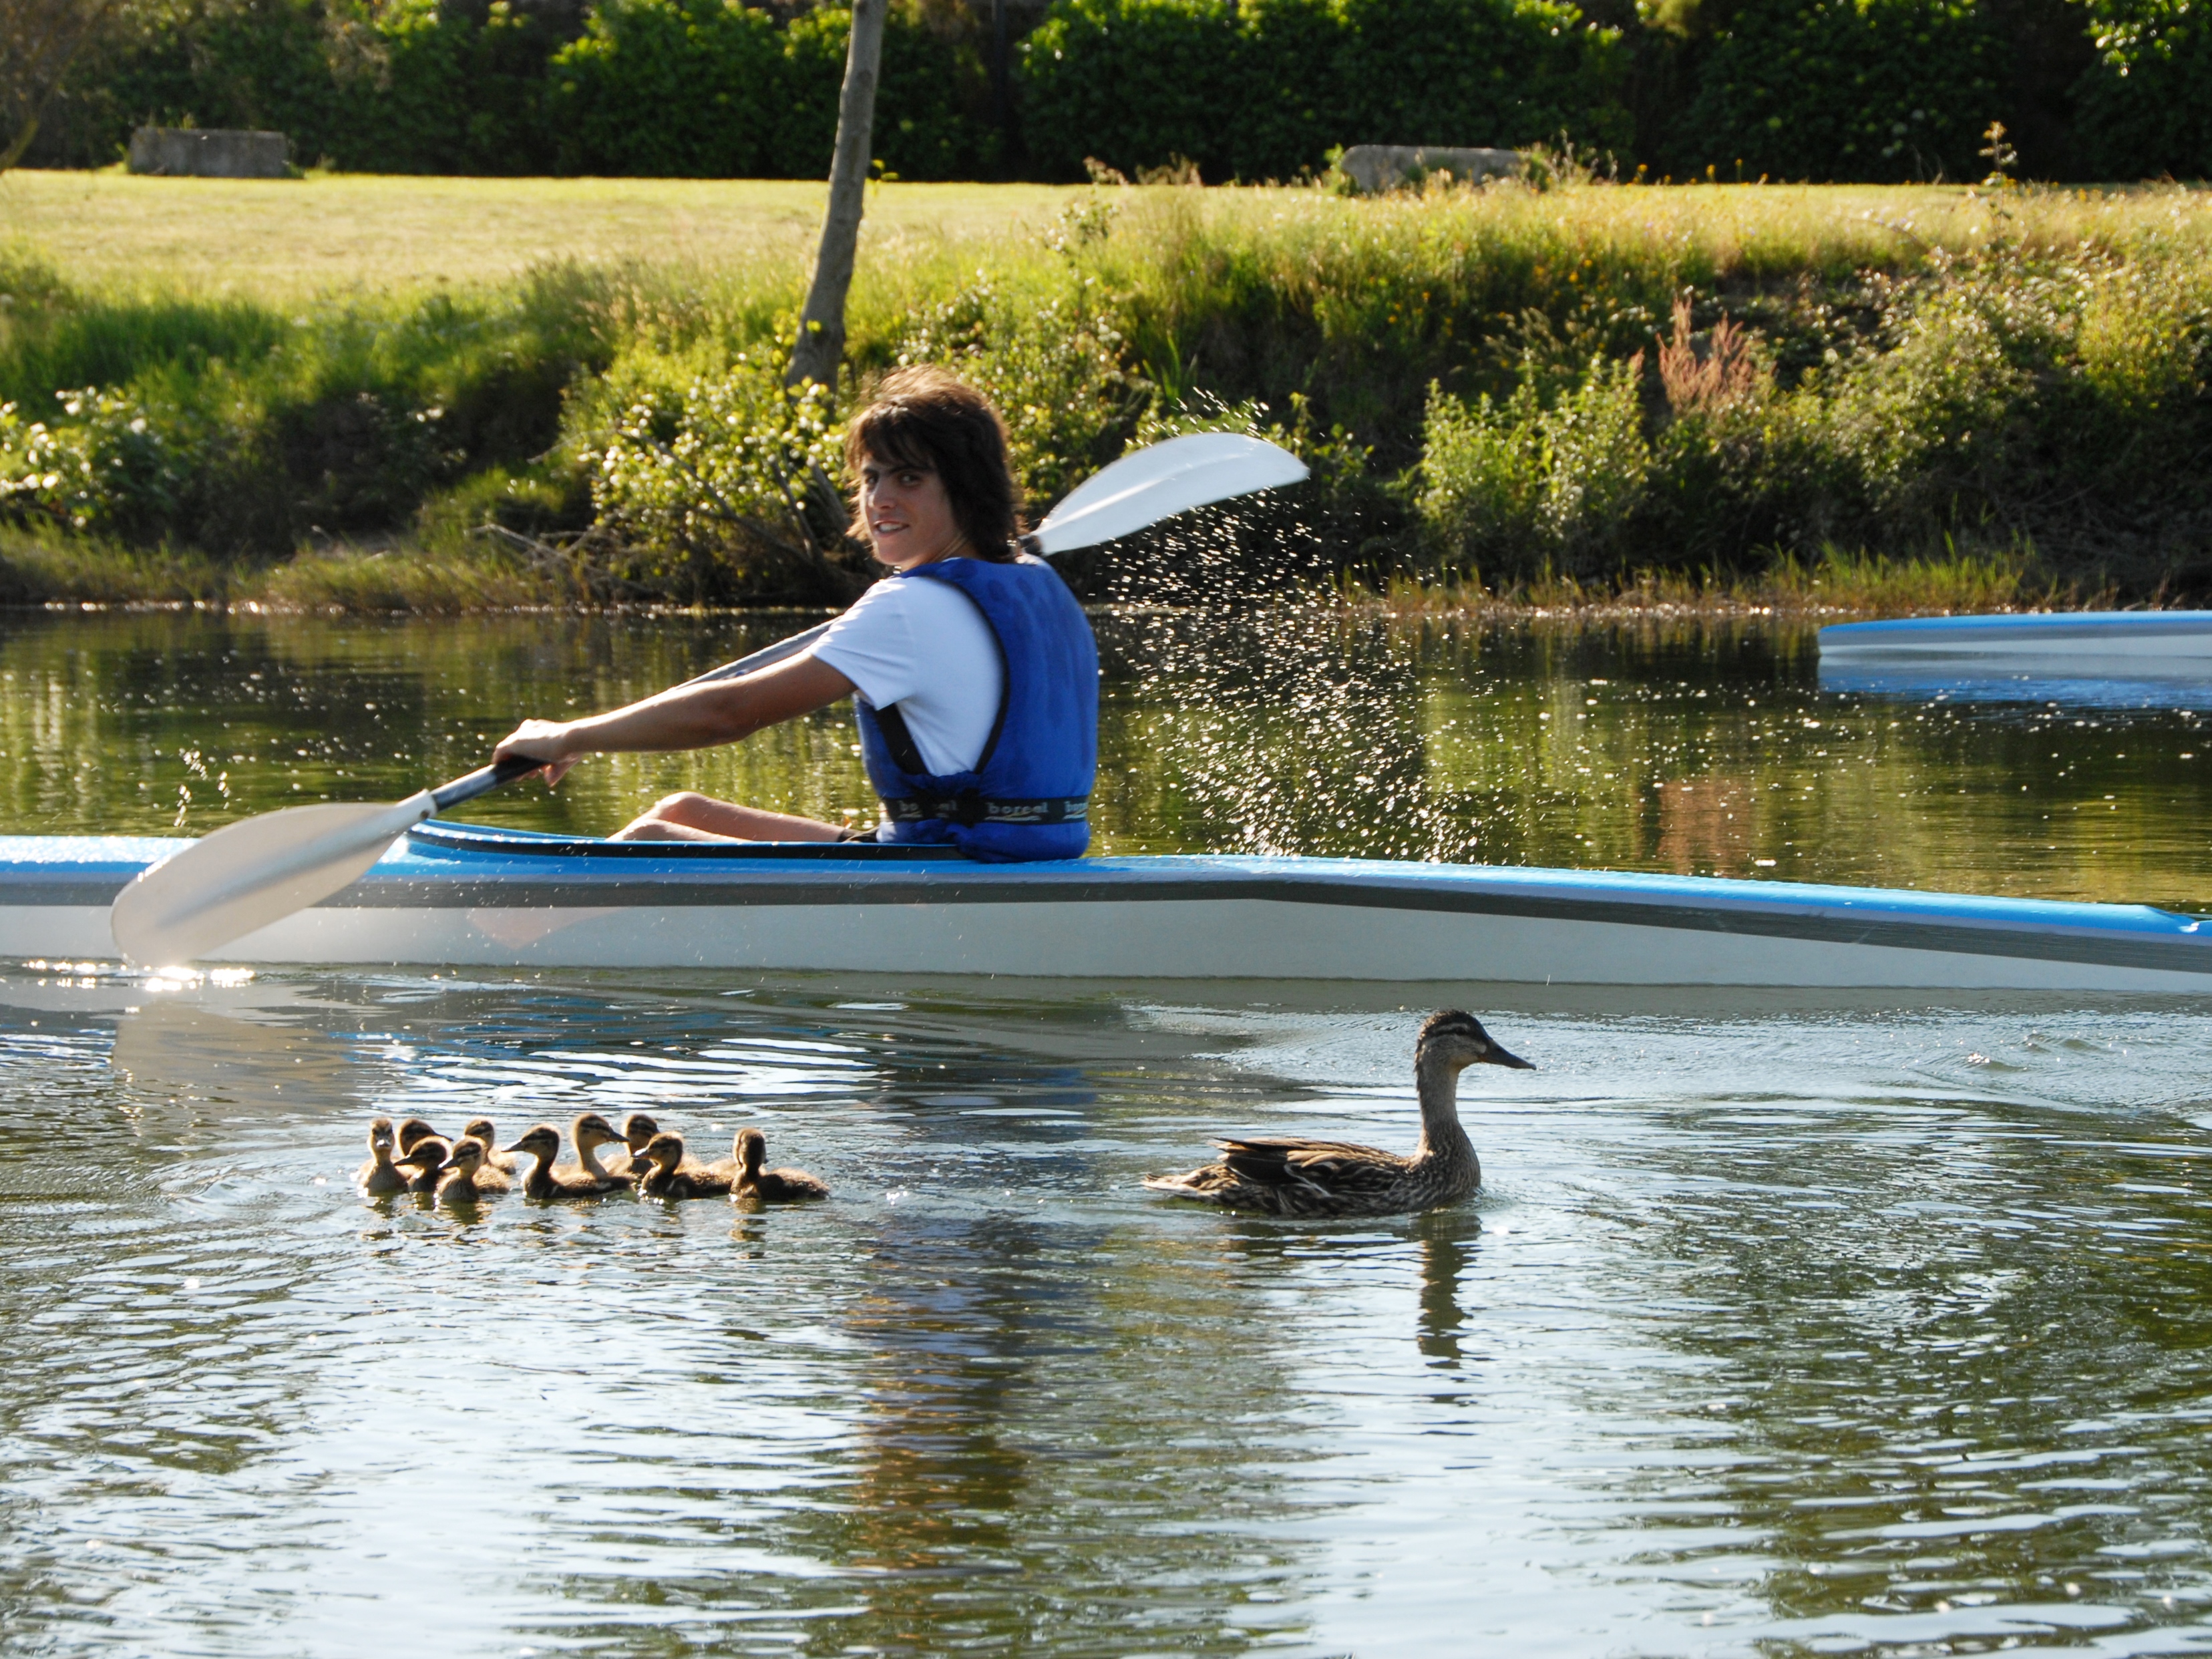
{"x":665,"y":1176}
{"x":479,"y":1128}
{"x":463,"y":1180}
{"x":541,"y":1144}
{"x":380,"y":1175}
{"x":490,"y":1178}
{"x":639,"y":1129}
{"x":410,"y":1131}
{"x":770,"y":1186}
{"x":427,"y":1160}
{"x":1287,"y":1175}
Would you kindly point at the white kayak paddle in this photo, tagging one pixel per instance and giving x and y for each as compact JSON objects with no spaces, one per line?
{"x":260,"y":870}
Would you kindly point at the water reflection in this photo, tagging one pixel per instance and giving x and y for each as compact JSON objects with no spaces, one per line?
{"x":1814,"y":1326}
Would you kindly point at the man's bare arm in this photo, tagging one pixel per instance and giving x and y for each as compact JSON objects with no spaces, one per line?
{"x":683,"y":717}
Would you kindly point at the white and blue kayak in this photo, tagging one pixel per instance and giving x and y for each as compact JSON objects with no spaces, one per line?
{"x":452,"y":894}
{"x":2090,"y":660}
{"x":2122,"y":639}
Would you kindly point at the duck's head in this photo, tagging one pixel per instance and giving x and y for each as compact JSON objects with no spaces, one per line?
{"x":752,"y":1149}
{"x":664,"y":1151}
{"x":381,"y":1139}
{"x":410,"y":1131}
{"x":431,"y":1153}
{"x":593,"y":1130}
{"x":479,"y":1128}
{"x":1459,"y":1040}
{"x":541,"y":1141}
{"x":467,"y":1156}
{"x":638,"y":1129}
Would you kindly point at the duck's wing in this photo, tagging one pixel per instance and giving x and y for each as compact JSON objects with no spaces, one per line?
{"x":1330,"y":1169}
{"x":1292,"y":1155}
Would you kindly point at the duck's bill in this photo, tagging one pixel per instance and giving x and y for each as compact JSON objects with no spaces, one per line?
{"x":1497,"y":1056}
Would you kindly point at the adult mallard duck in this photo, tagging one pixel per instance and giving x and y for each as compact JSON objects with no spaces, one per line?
{"x":769,"y":1186}
{"x":379,"y":1176}
{"x":665,"y":1175}
{"x":1288,"y":1176}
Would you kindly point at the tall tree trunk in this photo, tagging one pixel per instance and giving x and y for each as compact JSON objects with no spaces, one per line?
{"x":821,"y":324}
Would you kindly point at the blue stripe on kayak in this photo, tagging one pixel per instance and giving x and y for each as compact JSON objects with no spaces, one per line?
{"x":2081,"y":623}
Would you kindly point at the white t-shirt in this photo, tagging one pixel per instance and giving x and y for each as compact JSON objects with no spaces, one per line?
{"x":925,"y":645}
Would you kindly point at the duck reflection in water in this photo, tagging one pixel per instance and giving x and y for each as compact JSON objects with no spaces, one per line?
{"x":1446,"y":1246}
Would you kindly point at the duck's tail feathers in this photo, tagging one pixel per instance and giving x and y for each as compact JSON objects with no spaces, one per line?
{"x":1194,"y":1183}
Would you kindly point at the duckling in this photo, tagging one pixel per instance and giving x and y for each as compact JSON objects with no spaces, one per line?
{"x":769,"y":1186}
{"x":461,"y":1182}
{"x":411,"y":1130}
{"x":379,"y":1176}
{"x":1291,"y":1176}
{"x":541,"y":1144}
{"x":666,"y":1177}
{"x":590,"y":1132}
{"x":639,"y":1129}
{"x":429,"y":1158}
{"x":480,"y":1128}
{"x":490,"y":1179}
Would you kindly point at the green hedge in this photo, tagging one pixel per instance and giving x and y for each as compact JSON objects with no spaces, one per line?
{"x":1264,"y":89}
{"x":1846,"y":89}
{"x":681,"y":88}
{"x":2146,"y":108}
{"x":1813,"y":90}
{"x":697,"y":88}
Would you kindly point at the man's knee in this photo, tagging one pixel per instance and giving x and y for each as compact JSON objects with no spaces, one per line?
{"x":679,"y":808}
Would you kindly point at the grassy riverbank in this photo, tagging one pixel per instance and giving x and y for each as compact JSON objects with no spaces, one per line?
{"x":460,"y":393}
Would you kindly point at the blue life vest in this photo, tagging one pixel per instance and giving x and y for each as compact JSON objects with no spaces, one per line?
{"x":1029,"y":794}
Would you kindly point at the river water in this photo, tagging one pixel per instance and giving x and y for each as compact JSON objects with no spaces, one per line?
{"x":1781,"y":1325}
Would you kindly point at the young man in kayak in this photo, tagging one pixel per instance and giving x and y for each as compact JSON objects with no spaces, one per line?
{"x":971,"y":668}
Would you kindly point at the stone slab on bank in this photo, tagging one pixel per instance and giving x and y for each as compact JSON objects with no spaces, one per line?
{"x":214,"y":152}
{"x":1377,"y":168}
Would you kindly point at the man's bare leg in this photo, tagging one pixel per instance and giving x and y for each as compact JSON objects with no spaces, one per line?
{"x":688,"y":816}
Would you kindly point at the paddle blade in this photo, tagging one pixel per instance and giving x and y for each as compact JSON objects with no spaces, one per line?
{"x":1163,"y":479}
{"x":250,"y":873}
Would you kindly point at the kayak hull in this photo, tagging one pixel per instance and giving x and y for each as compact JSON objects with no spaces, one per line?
{"x":451,"y":894}
{"x":2113,"y":639}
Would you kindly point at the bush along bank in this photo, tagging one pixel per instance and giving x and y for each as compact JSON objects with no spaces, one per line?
{"x":1877,"y":90}
{"x":1499,"y":388}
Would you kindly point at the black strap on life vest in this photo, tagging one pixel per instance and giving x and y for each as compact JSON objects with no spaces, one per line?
{"x":900,"y":741}
{"x":970,"y":808}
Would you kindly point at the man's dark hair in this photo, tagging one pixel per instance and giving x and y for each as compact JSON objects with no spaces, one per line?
{"x":925,"y":418}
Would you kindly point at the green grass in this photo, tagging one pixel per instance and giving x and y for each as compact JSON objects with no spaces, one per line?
{"x":279,"y":240}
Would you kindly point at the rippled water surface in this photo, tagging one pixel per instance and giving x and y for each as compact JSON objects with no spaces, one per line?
{"x":1779,"y":1326}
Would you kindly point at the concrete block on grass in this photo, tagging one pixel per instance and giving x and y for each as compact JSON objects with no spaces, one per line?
{"x":1377,"y":167}
{"x":189,"y":153}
